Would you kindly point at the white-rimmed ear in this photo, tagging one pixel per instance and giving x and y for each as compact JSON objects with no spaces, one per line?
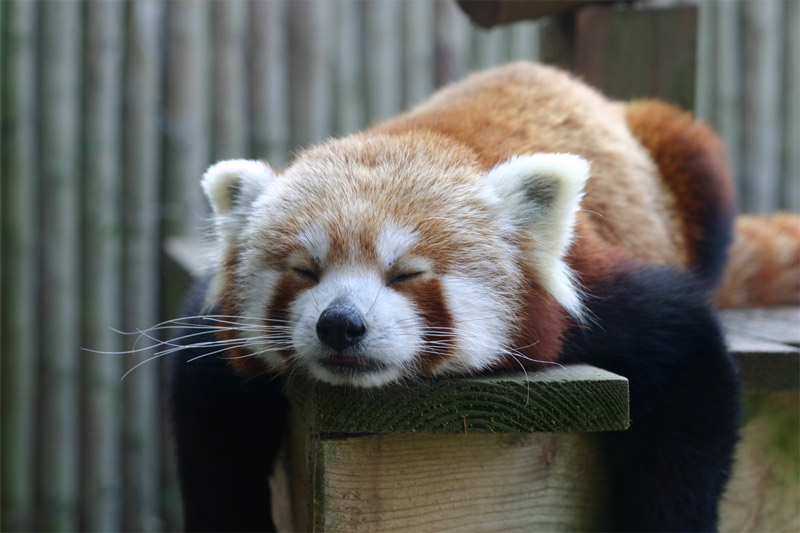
{"x":542,"y":194}
{"x":232,"y":187}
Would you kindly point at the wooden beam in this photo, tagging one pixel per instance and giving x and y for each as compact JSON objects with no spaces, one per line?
{"x":488,"y":13}
{"x":573,"y":398}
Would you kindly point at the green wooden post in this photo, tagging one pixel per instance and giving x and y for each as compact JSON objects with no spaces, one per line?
{"x":59,"y":151}
{"x":141,"y":274}
{"x":18,"y":310}
{"x":101,"y":485}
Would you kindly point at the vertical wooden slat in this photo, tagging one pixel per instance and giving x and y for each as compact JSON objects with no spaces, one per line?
{"x":762,"y":113}
{"x":383,"y":58}
{"x":489,"y":47}
{"x":231,"y":135}
{"x":142,"y":165}
{"x":704,"y":78}
{"x":269,"y":80}
{"x":310,"y":73}
{"x":350,"y":83}
{"x":791,"y":117}
{"x":452,"y":42}
{"x":101,"y":495}
{"x":639,"y":52}
{"x":59,"y":319}
{"x":525,"y":41}
{"x":20,"y":326}
{"x":419,"y":70}
{"x":727,"y":99}
{"x":188,"y":114}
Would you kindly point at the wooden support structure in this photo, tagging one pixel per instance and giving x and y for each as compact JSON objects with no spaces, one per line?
{"x":521,"y":453}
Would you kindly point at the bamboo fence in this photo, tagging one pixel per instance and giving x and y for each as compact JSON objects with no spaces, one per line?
{"x":110,"y":112}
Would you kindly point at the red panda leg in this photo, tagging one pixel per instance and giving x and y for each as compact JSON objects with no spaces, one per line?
{"x":692,"y":164}
{"x":227,"y":432}
{"x":655,"y":326}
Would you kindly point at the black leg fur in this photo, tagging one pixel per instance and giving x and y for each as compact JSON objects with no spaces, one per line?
{"x":227,"y":431}
{"x":655,"y":327}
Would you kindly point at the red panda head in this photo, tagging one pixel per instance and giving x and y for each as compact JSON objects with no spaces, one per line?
{"x":377,"y":258}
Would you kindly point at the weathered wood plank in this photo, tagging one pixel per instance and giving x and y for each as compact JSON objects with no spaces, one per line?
{"x":790,"y":192}
{"x":101,"y":481}
{"x":638,"y":52}
{"x":231,"y":126}
{"x":19,"y":162}
{"x":383,"y":55}
{"x":142,"y":159}
{"x":310,"y":73}
{"x":574,"y":398}
{"x":489,"y":48}
{"x":764,"y":491}
{"x":525,"y":41}
{"x":777,"y":324}
{"x":350,"y":114}
{"x":452,"y":43}
{"x":476,"y":482}
{"x":419,"y":69}
{"x":496,"y":12}
{"x":188,"y":115}
{"x":727,"y":104}
{"x":761,"y":99}
{"x":59,"y":153}
{"x":269,"y":80}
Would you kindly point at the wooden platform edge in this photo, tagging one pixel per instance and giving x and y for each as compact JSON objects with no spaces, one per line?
{"x":562,"y":399}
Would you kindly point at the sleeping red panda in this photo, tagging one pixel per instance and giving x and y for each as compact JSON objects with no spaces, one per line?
{"x":516,"y":218}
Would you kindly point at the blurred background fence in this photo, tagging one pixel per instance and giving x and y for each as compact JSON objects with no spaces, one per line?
{"x":111,"y":110}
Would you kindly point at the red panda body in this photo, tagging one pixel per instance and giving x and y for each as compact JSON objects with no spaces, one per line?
{"x":516,"y":219}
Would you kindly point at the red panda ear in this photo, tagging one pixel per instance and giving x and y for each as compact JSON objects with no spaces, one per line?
{"x":232,"y":187}
{"x":542,"y":193}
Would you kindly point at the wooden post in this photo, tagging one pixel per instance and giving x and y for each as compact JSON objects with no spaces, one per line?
{"x":762,"y":102}
{"x":101,"y":482}
{"x":231,"y":134}
{"x":310,"y":74}
{"x":764,"y":491}
{"x":455,"y":453}
{"x":452,"y":50}
{"x":383,"y":65}
{"x":790,"y":191}
{"x":143,"y":122}
{"x":19,"y":162}
{"x":350,"y":76}
{"x":419,"y":70}
{"x":59,"y":322}
{"x":269,"y":81}
{"x":628,"y":53}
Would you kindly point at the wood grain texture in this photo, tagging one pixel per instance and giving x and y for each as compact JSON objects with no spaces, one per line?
{"x":776,"y":324}
{"x":637,"y":53}
{"x":765,"y":343}
{"x":61,"y":179}
{"x":141,"y":277}
{"x":478,"y":482}
{"x":18,"y":305}
{"x":574,"y":398}
{"x":764,"y":491}
{"x":101,"y":458}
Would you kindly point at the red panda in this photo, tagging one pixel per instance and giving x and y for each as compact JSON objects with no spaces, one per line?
{"x":517,"y":218}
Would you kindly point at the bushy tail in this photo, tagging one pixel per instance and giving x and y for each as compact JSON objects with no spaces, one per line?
{"x":764,"y":262}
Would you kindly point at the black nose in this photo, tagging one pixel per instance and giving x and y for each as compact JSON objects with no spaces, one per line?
{"x":341,"y":325}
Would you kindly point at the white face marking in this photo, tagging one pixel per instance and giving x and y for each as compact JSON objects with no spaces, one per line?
{"x":393,"y":327}
{"x":393,"y":242}
{"x":481,"y":323}
{"x":316,"y":241}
